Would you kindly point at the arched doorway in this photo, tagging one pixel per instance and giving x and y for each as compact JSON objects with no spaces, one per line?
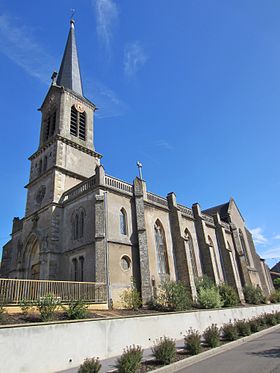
{"x":32,"y":259}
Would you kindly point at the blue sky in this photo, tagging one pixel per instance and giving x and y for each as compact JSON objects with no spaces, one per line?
{"x":189,"y":87}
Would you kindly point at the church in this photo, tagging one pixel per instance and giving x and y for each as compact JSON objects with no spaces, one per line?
{"x":83,"y":225}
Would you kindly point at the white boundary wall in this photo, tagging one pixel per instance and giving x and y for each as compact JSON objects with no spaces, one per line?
{"x":48,"y":348}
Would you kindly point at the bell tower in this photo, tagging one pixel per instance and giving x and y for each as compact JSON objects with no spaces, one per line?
{"x":66,"y":154}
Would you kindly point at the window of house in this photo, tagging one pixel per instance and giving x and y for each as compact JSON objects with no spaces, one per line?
{"x":161,"y":250}
{"x":78,"y":123}
{"x":190,"y":248}
{"x":123,"y":222}
{"x":82,"y":222}
{"x":78,"y":224}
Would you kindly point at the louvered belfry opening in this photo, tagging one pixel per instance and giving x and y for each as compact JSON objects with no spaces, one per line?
{"x":50,"y":126}
{"x":78,"y":123}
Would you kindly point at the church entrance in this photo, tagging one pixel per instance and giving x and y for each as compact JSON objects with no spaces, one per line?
{"x":32,"y":259}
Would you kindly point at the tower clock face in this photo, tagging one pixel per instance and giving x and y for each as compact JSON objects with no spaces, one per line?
{"x":79,"y":107}
{"x":40,"y":194}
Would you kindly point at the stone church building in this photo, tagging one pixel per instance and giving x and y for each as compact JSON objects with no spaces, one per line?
{"x":81,"y":224}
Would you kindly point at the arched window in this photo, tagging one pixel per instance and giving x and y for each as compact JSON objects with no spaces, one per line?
{"x":75,"y":269}
{"x":50,"y":124}
{"x":45,"y":163}
{"x":190,"y":248}
{"x":76,"y":222}
{"x":123,"y":222}
{"x":244,"y":249}
{"x":82,"y":221}
{"x":53,"y":124}
{"x":78,"y":123}
{"x":161,"y":249}
{"x":40,"y":167}
{"x":81,"y":260}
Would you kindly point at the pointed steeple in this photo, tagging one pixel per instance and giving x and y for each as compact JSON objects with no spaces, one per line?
{"x":69,"y":73}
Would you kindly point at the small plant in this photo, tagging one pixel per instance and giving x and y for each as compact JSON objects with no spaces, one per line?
{"x":131,"y":297}
{"x":130,"y":360}
{"x":243,"y":327}
{"x":275,"y":297}
{"x":253,"y":295}
{"x":173,"y":296}
{"x":47,"y":307}
{"x":192,"y":342}
{"x":25,"y":307}
{"x":209,"y":298}
{"x":164,"y":350}
{"x":77,"y":309}
{"x":228,"y":295}
{"x":90,"y":366}
{"x":212,"y":336}
{"x":204,"y":282}
{"x":271,"y":319}
{"x":255,"y":324}
{"x":230,"y":332}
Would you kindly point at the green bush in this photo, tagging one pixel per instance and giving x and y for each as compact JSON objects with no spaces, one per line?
{"x":230,"y":332}
{"x":2,"y":312}
{"x":164,"y":351}
{"x":276,"y":283}
{"x":47,"y":307}
{"x":255,"y":324}
{"x":131,"y":298}
{"x":192,"y":342}
{"x":77,"y":309}
{"x":243,"y":327}
{"x":173,"y":296}
{"x":275,"y":297}
{"x":228,"y":295}
{"x":212,"y":336}
{"x":90,"y":366}
{"x":26,"y":307}
{"x":209,"y":298}
{"x":277,"y":316}
{"x":204,"y":282}
{"x":130,"y":360}
{"x":253,"y":295}
{"x":271,"y":319}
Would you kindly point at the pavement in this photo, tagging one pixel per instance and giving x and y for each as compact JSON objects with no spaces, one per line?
{"x":259,"y":355}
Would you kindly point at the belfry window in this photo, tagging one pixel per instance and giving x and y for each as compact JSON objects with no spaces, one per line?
{"x":78,"y":123}
{"x":161,"y":249}
{"x":50,"y":125}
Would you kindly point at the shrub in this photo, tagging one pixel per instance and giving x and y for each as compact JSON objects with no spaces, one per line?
{"x":276,"y":283}
{"x":204,"y":282}
{"x":130,"y":360}
{"x":271,"y":319}
{"x":25,"y":307}
{"x":228,"y":295}
{"x":90,"y":366}
{"x":209,"y":298}
{"x":164,"y":351}
{"x":275,"y":297}
{"x":77,"y":309}
{"x":212,"y":336}
{"x":230,"y":332}
{"x":255,"y":324}
{"x":47,"y":307}
{"x":131,"y":298}
{"x":243,"y":328}
{"x":253,"y":295}
{"x":173,"y":296}
{"x":2,"y":311}
{"x":192,"y":342}
{"x":277,"y":316}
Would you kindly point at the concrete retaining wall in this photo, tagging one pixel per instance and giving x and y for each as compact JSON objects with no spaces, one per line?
{"x":56,"y":346}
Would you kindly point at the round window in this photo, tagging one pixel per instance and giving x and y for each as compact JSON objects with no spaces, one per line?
{"x":125,"y":263}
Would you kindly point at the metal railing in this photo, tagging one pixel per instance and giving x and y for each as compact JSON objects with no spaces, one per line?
{"x":15,"y":291}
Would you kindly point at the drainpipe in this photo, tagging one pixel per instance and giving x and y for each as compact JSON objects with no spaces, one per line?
{"x":108,"y":283}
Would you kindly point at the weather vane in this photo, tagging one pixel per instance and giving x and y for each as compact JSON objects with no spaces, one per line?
{"x":139,"y":165}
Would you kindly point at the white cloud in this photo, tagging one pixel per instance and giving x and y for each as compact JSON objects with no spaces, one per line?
{"x":164,"y":144}
{"x":106,"y":19}
{"x":276,"y":237}
{"x":19,"y":45}
{"x":134,"y":58}
{"x":272,"y":253}
{"x":258,"y":236}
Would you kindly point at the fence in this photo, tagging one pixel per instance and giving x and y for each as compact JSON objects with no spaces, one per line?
{"x":14,"y":291}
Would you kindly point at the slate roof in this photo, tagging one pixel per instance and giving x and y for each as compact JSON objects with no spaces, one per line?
{"x":221,"y":209}
{"x":276,"y":268}
{"x":69,"y":73}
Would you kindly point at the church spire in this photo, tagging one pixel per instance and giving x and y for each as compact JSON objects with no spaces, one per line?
{"x":69,"y":73}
